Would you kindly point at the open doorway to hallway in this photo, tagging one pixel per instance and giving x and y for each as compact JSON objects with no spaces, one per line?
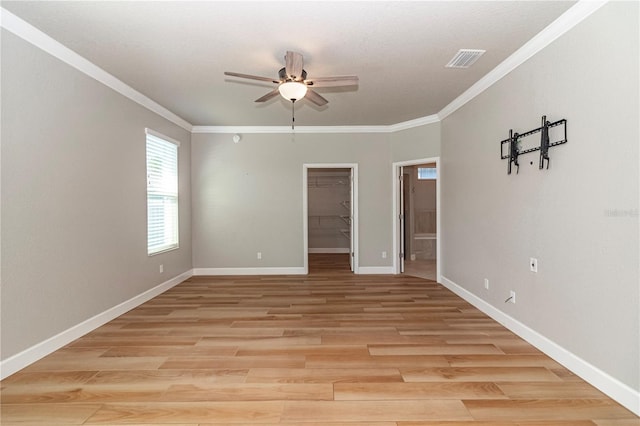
{"x":419,"y":211}
{"x":416,"y":218}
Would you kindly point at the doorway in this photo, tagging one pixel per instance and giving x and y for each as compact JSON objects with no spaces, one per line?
{"x":417,"y":218}
{"x":330,"y":217}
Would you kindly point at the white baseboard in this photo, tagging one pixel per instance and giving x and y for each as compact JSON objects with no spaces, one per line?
{"x":329,"y":250}
{"x":375,"y":270}
{"x":34,"y":353}
{"x":249,"y":271}
{"x":620,"y":392}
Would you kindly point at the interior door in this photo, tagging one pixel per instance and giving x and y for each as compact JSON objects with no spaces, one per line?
{"x":401,"y":223}
{"x":351,"y":225}
{"x":407,"y":198}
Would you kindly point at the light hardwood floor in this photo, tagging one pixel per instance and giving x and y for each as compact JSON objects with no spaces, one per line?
{"x":422,"y":268}
{"x":330,"y":348}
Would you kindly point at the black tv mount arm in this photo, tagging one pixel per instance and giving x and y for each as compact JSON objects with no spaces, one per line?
{"x":514,"y":149}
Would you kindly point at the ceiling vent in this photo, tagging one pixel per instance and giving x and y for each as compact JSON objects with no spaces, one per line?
{"x":465,"y":58}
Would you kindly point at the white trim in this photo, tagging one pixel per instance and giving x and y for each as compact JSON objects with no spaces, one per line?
{"x":305,"y":219}
{"x":620,"y":392}
{"x":355,"y":220}
{"x":565,"y":22}
{"x":249,"y":271}
{"x":376,"y":270}
{"x":430,"y":119}
{"x":31,"y":34}
{"x":161,"y":136}
{"x":305,"y":209}
{"x":422,"y":121}
{"x":395,"y":169}
{"x":572,"y":17}
{"x":34,"y":353}
{"x":329,"y":250}
{"x":287,"y":129}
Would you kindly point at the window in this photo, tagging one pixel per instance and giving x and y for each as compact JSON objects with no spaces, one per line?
{"x":162,"y":193}
{"x":427,"y":173}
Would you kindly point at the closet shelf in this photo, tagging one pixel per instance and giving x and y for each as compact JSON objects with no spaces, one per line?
{"x":329,"y":208}
{"x":425,"y":236}
{"x":326,"y":182}
{"x":325,"y":231}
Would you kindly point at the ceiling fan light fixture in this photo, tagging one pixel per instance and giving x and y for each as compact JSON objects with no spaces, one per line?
{"x":292,"y":90}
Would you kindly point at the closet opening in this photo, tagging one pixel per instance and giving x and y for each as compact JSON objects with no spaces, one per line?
{"x":329,"y":204}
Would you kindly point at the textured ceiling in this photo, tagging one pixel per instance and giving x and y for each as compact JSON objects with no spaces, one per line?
{"x":176,"y":52}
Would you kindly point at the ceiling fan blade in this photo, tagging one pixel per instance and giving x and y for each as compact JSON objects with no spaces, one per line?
{"x":345,"y":80}
{"x":293,"y":65}
{"x":251,"y":77}
{"x":270,"y":95}
{"x":314,"y":97}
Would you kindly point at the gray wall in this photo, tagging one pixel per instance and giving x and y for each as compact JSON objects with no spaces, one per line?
{"x":74,"y":198}
{"x":415,"y":143}
{"x":579,"y":218}
{"x":247,"y":197}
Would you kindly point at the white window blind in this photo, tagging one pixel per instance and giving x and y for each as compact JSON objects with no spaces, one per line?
{"x":162,"y":193}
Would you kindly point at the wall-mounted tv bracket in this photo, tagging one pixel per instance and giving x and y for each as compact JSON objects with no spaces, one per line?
{"x":514,"y":150}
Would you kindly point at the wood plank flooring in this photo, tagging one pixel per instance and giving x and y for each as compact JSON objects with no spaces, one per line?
{"x":422,"y":268}
{"x":330,"y":348}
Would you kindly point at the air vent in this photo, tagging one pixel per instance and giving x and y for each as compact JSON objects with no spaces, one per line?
{"x":465,"y":58}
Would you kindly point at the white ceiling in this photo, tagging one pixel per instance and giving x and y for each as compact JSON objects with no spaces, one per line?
{"x":176,"y":52}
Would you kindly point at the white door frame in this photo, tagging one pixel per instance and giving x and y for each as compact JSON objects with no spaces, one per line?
{"x":396,"y":212}
{"x":354,"y":208}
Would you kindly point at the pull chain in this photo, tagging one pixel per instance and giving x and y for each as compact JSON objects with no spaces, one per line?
{"x":293,"y":113}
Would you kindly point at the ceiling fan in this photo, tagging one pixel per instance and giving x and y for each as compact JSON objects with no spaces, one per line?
{"x":293,"y":83}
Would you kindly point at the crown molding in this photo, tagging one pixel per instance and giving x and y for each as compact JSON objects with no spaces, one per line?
{"x":422,"y":121}
{"x":32,"y":35}
{"x":572,"y":17}
{"x":287,"y":129}
{"x":430,"y":119}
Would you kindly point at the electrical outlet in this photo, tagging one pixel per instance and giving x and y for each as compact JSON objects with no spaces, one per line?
{"x":486,"y":283}
{"x":512,"y":296}
{"x":161,"y":268}
{"x":533,"y":264}
{"x":384,"y":254}
{"x":259,"y":255}
{"x":413,"y":257}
